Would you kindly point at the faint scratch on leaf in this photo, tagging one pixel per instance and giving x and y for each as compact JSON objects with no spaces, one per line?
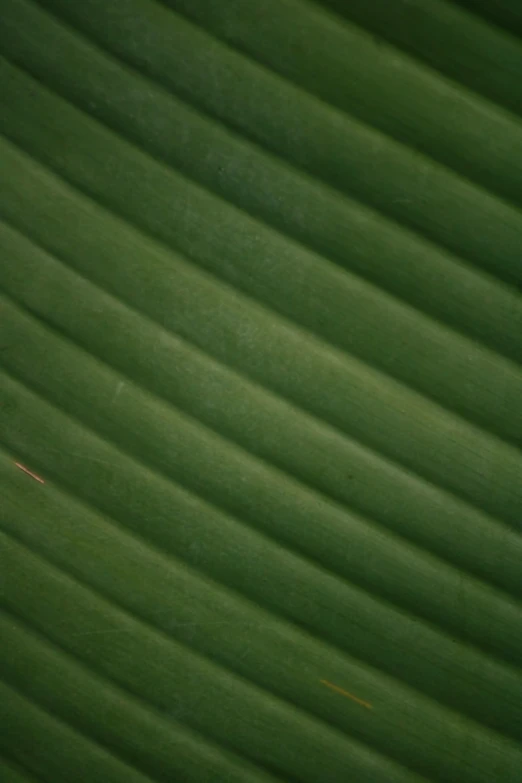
{"x":106,"y":630}
{"x":119,"y":387}
{"x":171,"y":627}
{"x":30,"y":473}
{"x":78,"y":456}
{"x":346,"y":693}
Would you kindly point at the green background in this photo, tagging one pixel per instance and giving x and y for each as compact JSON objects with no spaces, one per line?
{"x":261,"y":339}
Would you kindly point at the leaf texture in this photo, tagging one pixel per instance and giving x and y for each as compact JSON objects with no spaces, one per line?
{"x":261,"y":391}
